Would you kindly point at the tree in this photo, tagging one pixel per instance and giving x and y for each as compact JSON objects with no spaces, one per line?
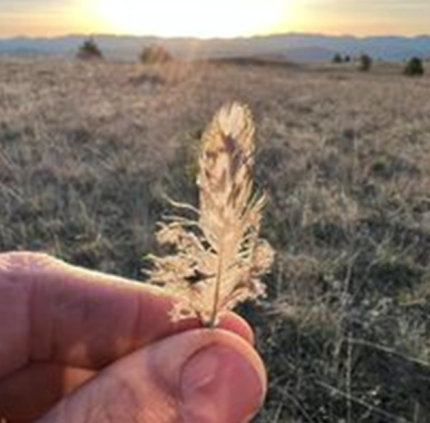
{"x":89,"y":50}
{"x":365,"y":62}
{"x":155,"y":53}
{"x":337,"y":58}
{"x":414,"y":67}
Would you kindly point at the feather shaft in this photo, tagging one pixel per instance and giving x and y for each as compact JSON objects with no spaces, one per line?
{"x":219,"y":256}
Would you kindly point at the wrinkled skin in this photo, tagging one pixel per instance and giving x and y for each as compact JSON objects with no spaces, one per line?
{"x":82,"y":346}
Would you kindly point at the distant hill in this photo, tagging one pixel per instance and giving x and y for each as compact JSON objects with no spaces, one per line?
{"x":293,"y":46}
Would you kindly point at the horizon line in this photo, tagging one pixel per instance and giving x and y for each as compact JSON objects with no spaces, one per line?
{"x":191,"y":37}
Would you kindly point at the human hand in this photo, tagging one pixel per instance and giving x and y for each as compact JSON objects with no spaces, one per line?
{"x":80,"y":346}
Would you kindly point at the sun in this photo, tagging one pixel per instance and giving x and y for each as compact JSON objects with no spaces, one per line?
{"x":195,"y":18}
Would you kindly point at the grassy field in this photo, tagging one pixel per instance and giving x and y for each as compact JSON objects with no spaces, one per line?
{"x":89,"y":151}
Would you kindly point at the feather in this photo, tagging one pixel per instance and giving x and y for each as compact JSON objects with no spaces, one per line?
{"x":219,"y":257}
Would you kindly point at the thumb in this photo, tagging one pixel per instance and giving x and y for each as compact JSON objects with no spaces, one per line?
{"x":201,"y":376}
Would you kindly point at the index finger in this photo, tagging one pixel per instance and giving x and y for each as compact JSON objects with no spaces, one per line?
{"x":55,"y":312}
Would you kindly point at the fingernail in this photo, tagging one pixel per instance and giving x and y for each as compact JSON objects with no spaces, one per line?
{"x":219,"y":385}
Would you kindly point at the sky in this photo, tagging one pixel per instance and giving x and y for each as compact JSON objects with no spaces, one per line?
{"x":213,"y":18}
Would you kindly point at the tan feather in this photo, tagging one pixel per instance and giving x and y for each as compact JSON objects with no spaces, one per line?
{"x":219,"y":257}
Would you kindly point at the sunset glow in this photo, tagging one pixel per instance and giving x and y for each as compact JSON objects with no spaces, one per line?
{"x":223,"y":18}
{"x":213,"y":19}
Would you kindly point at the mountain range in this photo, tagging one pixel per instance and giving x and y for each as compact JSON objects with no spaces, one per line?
{"x":292,"y":46}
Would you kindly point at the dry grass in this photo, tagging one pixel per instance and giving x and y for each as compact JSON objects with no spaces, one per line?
{"x":87,"y":152}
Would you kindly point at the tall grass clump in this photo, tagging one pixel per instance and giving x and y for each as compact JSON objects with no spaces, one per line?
{"x":155,"y":53}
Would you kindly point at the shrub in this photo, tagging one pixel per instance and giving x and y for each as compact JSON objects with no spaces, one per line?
{"x":365,"y":62}
{"x":414,"y":67}
{"x":89,"y":50}
{"x":155,"y":54}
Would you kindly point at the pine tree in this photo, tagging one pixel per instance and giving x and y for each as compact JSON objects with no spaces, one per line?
{"x":89,"y":50}
{"x":365,"y":62}
{"x":414,"y":67}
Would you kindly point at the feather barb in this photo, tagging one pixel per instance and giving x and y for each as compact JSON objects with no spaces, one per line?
{"x":219,"y":261}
